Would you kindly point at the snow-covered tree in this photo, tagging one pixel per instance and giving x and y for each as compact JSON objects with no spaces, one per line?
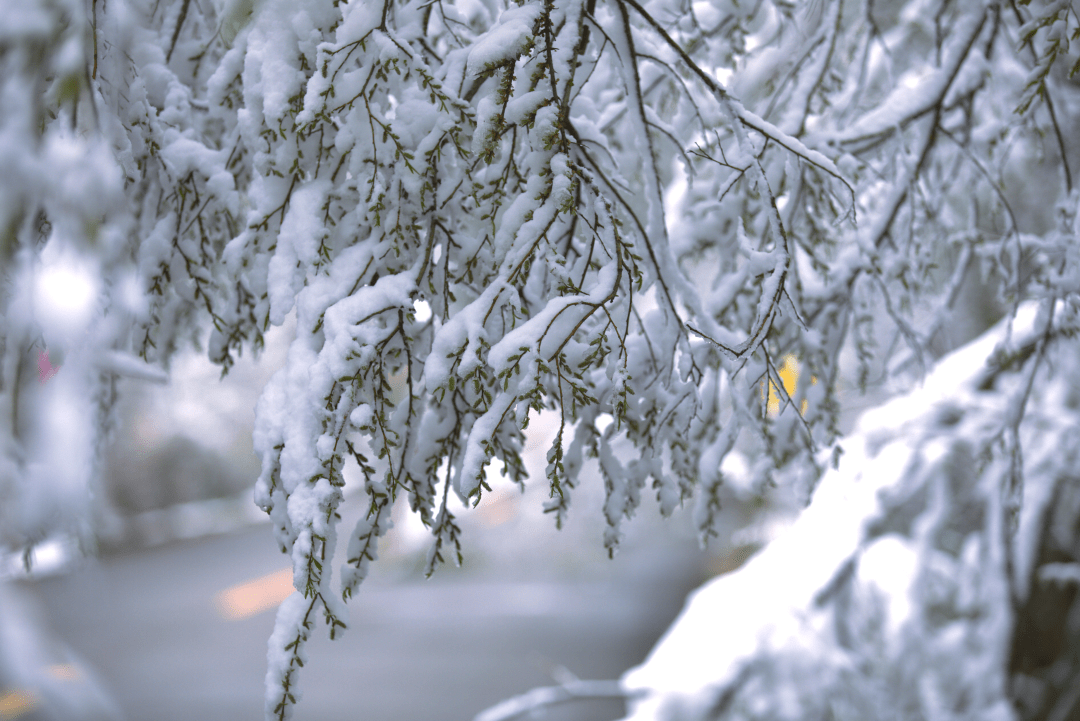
{"x":635,"y":215}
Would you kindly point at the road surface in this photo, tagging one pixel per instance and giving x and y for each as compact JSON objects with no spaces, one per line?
{"x":179,"y":632}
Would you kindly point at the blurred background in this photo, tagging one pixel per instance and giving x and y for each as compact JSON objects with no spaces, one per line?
{"x":169,"y":618}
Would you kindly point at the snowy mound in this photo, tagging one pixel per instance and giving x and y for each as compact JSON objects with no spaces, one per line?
{"x":891,"y":592}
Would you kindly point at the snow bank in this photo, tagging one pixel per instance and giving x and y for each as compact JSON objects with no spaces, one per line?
{"x":891,"y":589}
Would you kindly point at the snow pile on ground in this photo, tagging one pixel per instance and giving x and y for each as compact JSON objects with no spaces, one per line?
{"x":890,"y":596}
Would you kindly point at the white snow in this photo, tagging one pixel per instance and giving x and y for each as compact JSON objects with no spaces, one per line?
{"x":774,"y":602}
{"x":297,"y":247}
{"x":506,"y":39}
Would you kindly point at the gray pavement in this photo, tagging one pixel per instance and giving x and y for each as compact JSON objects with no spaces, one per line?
{"x":41,"y":678}
{"x":145,"y":622}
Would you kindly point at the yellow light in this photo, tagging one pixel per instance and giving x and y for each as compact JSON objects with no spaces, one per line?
{"x":789,"y":376}
{"x":256,"y":596}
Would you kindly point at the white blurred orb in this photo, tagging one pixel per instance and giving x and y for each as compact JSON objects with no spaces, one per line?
{"x":65,"y":291}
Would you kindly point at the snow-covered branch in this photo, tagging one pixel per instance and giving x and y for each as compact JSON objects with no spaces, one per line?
{"x":634,"y":217}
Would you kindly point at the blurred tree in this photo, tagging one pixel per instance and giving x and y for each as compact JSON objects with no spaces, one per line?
{"x":626,"y":213}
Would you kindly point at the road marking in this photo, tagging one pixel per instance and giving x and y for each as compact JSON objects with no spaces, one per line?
{"x":253,"y":597}
{"x":14,"y":704}
{"x":64,"y":671}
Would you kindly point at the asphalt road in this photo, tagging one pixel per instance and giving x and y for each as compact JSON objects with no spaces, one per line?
{"x":152,"y":626}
